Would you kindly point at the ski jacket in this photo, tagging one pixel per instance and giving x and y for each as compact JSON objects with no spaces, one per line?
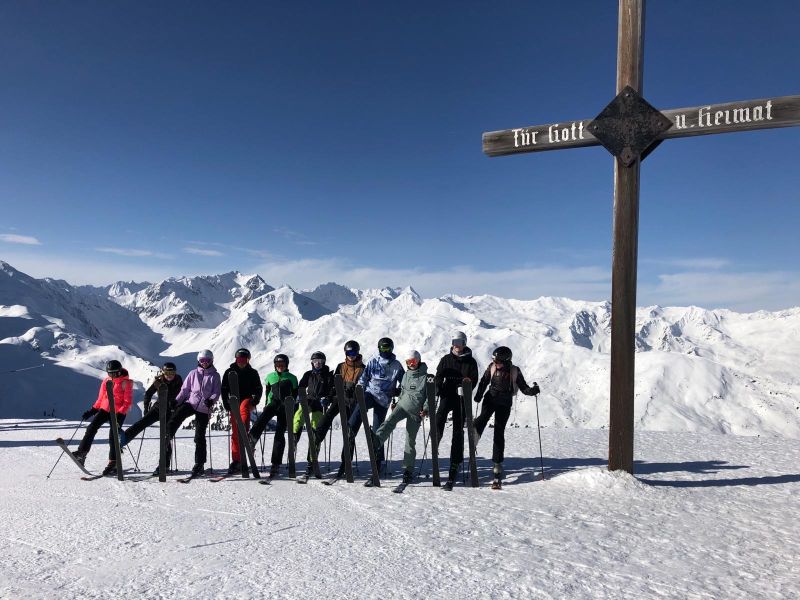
{"x":200,"y":385}
{"x":173,"y":387}
{"x":123,"y":395}
{"x":451,"y":372}
{"x":351,"y":372}
{"x":249,"y":385}
{"x":318,"y":384}
{"x":381,"y":377}
{"x":287,"y":382}
{"x":501,"y":388}
{"x":412,"y":390}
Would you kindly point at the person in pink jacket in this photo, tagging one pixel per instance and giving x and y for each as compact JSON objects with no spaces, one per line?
{"x":200,"y":390}
{"x":101,"y":411}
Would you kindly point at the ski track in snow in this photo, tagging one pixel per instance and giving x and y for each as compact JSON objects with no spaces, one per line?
{"x":709,"y":516}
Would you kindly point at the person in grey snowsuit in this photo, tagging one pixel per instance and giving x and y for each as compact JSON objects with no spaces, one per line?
{"x":411,"y":405}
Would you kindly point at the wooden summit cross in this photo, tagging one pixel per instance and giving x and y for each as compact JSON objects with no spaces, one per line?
{"x":630,"y":129}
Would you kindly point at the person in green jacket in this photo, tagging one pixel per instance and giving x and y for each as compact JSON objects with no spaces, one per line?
{"x":277,"y":386}
{"x":412,"y":405}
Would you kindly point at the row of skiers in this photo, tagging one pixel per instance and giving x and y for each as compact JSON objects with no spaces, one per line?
{"x":387,"y":386}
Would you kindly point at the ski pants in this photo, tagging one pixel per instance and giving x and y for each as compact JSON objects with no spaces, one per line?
{"x":501,"y":414}
{"x":245,"y":407}
{"x":378,"y":415}
{"x":298,"y":424}
{"x":150,"y":417}
{"x":321,"y":430}
{"x":413,"y":422}
{"x":279,"y":440}
{"x":101,"y":418}
{"x":183,"y":412}
{"x":456,"y":405}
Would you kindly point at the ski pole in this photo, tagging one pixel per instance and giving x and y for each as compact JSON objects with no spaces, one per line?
{"x":139,"y":453}
{"x":541,"y":460}
{"x":175,"y":452}
{"x":210,"y":454}
{"x":425,"y":449}
{"x":135,"y":463}
{"x":62,"y":451}
{"x":330,"y":442}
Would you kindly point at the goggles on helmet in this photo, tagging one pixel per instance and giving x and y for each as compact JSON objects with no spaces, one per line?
{"x":317,"y":362}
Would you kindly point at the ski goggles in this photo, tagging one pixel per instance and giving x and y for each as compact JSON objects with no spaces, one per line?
{"x":351,"y":353}
{"x":459,"y":342}
{"x":280,"y":363}
{"x":385,"y":348}
{"x":114,"y":374}
{"x":317,"y":362}
{"x":412,"y":363}
{"x":205,"y":362}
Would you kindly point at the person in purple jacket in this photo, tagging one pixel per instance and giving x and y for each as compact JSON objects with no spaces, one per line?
{"x":199,"y":392}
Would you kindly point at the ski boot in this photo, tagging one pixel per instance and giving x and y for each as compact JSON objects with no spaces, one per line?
{"x":156,"y":472}
{"x":80,"y":455}
{"x":408,"y":476}
{"x":198,"y":470}
{"x":497,"y":470}
{"x":234,"y":468}
{"x":273,"y":471}
{"x":451,"y":477}
{"x":111,"y":468}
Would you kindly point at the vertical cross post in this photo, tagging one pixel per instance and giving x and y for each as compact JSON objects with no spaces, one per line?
{"x":630,"y":43}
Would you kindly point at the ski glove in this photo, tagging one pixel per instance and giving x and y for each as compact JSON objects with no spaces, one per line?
{"x":89,"y":413}
{"x":209,"y":402}
{"x":535,"y":389}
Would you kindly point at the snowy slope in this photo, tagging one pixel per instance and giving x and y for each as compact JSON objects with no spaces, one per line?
{"x":697,"y":369}
{"x":710,"y":516}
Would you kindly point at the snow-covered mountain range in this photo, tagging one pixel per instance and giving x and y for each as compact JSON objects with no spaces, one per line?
{"x":696,"y":370}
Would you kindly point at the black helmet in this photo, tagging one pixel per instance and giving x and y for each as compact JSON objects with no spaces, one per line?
{"x":502,"y":354}
{"x":385,"y":342}
{"x":242,"y":352}
{"x":318,"y":355}
{"x":168,"y":367}
{"x":281,"y":358}
{"x":352,"y":346}
{"x":113,"y":368}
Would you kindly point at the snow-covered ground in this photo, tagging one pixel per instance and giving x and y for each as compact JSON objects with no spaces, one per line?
{"x":708,"y":516}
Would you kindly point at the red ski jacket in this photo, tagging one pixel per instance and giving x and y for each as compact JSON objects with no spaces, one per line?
{"x":123,"y":395}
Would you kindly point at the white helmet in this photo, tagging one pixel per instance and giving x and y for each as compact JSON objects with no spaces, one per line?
{"x":205,"y":356}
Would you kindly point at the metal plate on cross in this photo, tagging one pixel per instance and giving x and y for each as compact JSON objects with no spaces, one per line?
{"x":628,"y":126}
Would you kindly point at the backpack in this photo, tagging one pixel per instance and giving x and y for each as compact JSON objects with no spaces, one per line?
{"x":514,"y":374}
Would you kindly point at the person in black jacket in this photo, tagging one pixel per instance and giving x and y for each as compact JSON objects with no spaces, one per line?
{"x":168,"y":375}
{"x":320,"y":392}
{"x":454,"y":367}
{"x":502,"y":380}
{"x":250,"y":390}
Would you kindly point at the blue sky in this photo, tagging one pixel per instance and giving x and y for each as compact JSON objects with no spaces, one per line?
{"x":317,"y":141}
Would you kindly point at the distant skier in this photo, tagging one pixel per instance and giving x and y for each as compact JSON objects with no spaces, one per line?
{"x":453,"y":368}
{"x":280,"y":383}
{"x":350,"y":370}
{"x":169,"y":377}
{"x":503,"y":380}
{"x":381,"y":380}
{"x":250,"y":390}
{"x":412,"y":405}
{"x":101,"y":411}
{"x":199,"y":393}
{"x":320,"y":391}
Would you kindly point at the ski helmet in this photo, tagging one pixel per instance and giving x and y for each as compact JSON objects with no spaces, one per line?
{"x":281,"y":358}
{"x":502,"y":354}
{"x":352,"y":348}
{"x":413,"y":359}
{"x":113,"y":368}
{"x":385,"y":344}
{"x":459,"y":338}
{"x":242,"y":353}
{"x":168,"y":367}
{"x":205,"y":356}
{"x":318,"y":356}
